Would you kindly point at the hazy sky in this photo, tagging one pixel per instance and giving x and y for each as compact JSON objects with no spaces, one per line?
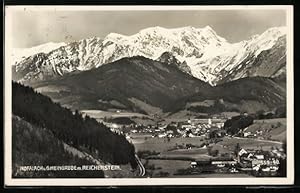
{"x":30,"y":28}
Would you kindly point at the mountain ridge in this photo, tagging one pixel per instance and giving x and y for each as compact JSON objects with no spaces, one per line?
{"x":205,"y":53}
{"x":137,"y":83}
{"x":150,"y":82}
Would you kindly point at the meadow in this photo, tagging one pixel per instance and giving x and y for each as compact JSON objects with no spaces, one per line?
{"x":144,"y":142}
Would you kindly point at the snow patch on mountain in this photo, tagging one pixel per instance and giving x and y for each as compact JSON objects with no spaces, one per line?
{"x":208,"y":56}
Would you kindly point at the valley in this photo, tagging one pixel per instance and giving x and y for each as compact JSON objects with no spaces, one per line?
{"x":167,"y":149}
{"x":177,"y":103}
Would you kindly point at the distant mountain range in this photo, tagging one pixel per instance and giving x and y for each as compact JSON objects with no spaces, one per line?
{"x":199,"y":52}
{"x":143,"y":85}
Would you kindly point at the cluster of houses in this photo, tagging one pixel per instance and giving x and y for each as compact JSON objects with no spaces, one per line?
{"x":189,"y":128}
{"x":247,"y":161}
{"x":259,"y":160}
{"x":248,"y":134}
{"x":199,"y":127}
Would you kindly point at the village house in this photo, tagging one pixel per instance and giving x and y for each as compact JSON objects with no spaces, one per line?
{"x":257,"y":161}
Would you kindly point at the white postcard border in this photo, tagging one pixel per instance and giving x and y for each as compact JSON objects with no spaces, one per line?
{"x":9,"y":181}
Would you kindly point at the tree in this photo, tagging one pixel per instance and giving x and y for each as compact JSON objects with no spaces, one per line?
{"x":235,"y":124}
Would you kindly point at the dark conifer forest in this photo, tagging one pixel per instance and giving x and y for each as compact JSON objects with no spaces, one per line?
{"x":36,"y":146}
{"x":71,"y":127}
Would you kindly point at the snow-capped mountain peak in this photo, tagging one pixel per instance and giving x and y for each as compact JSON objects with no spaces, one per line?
{"x":19,"y":54}
{"x":208,"y":56}
{"x":267,"y":39}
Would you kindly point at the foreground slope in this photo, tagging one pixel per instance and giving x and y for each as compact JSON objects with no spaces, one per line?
{"x":71,"y":128}
{"x":36,"y":146}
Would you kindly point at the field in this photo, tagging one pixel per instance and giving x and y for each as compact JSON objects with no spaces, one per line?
{"x":195,"y":153}
{"x":170,"y":166}
{"x":144,"y":142}
{"x":273,"y":129}
{"x":248,"y":143}
{"x":169,"y":159}
{"x":138,"y":118}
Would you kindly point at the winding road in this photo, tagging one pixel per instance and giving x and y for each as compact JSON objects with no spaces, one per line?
{"x":141,"y":166}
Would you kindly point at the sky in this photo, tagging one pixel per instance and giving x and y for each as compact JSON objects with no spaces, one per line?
{"x":34,"y":27}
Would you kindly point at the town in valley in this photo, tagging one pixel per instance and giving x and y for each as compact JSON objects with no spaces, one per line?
{"x":201,"y":147}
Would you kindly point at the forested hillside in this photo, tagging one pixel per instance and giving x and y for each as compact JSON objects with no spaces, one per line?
{"x":36,"y":146}
{"x":129,"y":83}
{"x":71,"y":127}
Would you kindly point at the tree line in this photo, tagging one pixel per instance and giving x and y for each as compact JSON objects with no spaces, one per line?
{"x":71,"y":127}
